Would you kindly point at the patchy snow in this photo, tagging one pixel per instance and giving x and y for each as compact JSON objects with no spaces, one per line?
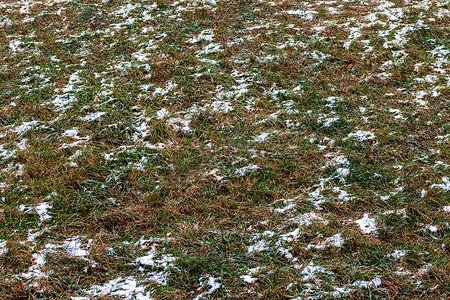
{"x":309,"y":15}
{"x":92,"y":116}
{"x":249,"y":168}
{"x":432,"y":228}
{"x":362,"y":135}
{"x":258,"y":247}
{"x":336,"y":240}
{"x":162,"y":113}
{"x":445,"y":186}
{"x":205,"y":35}
{"x":127,"y":288}
{"x":74,"y":247}
{"x":397,"y":254}
{"x":366,"y":224}
{"x":310,"y":271}
{"x":213,"y":284}
{"x":248,"y":278}
{"x":42,"y":211}
{"x":376,"y":282}
{"x":308,"y":218}
{"x":25,"y":127}
{"x":3,"y":248}
{"x":221,"y":106}
{"x":261,"y":137}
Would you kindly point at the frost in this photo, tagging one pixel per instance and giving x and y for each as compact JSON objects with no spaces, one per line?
{"x":366,"y":224}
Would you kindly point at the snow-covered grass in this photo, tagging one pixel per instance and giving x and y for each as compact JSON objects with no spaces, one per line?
{"x":206,"y":149}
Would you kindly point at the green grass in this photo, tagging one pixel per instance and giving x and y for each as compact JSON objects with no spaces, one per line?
{"x":206,"y":185}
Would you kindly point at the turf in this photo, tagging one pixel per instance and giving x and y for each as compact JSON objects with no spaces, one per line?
{"x":224,"y":149}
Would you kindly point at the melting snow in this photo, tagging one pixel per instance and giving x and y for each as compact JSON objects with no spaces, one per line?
{"x":366,"y":224}
{"x":92,"y":116}
{"x":366,"y":284}
{"x":362,"y":135}
{"x":243,"y":170}
{"x":444,"y":186}
{"x":214,"y":285}
{"x":258,"y":247}
{"x":127,"y":288}
{"x":3,"y":248}
{"x":398,"y":254}
{"x":311,"y":270}
{"x":42,"y":211}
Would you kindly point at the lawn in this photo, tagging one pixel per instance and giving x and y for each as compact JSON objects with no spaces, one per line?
{"x":232,"y":149}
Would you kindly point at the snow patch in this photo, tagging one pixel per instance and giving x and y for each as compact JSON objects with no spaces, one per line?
{"x":366,"y":224}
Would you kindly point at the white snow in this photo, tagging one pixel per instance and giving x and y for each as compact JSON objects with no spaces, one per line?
{"x":205,"y":35}
{"x":398,"y":254}
{"x":366,"y":284}
{"x":25,"y":127}
{"x":311,"y":270}
{"x":258,"y":247}
{"x":3,"y":249}
{"x":92,"y":116}
{"x":214,"y":285}
{"x":445,"y":186}
{"x":309,"y":15}
{"x":366,"y":224}
{"x":127,"y":288}
{"x":261,"y":137}
{"x":243,"y":170}
{"x":42,"y":211}
{"x":162,"y":113}
{"x":248,"y":278}
{"x":362,"y":135}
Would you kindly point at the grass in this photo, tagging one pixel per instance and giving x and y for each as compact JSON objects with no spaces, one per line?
{"x":240,"y":144}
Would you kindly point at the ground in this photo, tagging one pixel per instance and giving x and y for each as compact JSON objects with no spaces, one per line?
{"x":224,"y":149}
